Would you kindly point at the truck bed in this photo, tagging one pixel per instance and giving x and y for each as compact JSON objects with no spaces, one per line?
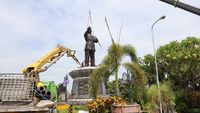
{"x":23,"y":109}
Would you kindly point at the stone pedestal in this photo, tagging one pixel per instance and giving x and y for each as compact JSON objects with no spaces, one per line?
{"x":80,"y":87}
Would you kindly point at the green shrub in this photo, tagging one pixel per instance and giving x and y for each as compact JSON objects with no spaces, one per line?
{"x":180,"y":101}
{"x":187,"y":101}
{"x":192,"y":110}
{"x":193,"y":99}
{"x":80,"y":108}
{"x":167,"y":97}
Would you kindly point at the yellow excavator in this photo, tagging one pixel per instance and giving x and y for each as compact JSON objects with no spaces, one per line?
{"x":48,"y":60}
{"x":22,"y":88}
{"x":47,"y":90}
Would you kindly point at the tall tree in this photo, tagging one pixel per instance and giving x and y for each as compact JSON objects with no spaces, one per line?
{"x":178,"y":61}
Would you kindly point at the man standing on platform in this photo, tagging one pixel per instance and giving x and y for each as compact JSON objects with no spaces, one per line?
{"x":90,"y":47}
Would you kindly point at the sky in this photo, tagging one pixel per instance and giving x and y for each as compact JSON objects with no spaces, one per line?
{"x":29,"y":29}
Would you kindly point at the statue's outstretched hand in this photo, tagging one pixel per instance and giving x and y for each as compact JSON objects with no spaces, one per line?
{"x":96,"y":39}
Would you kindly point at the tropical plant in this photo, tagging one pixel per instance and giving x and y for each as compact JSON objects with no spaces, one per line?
{"x":139,"y":81}
{"x":167,"y":97}
{"x":111,"y":88}
{"x":104,"y":104}
{"x":130,"y":91}
{"x":110,"y":65}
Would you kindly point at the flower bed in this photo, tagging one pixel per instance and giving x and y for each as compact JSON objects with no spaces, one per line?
{"x":104,"y":104}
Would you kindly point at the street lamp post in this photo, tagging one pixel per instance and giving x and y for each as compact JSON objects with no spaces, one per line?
{"x":155,"y":58}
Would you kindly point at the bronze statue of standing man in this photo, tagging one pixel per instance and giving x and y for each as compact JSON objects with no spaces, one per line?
{"x":90,"y":47}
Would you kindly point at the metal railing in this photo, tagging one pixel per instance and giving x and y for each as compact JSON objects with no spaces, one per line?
{"x":16,"y":87}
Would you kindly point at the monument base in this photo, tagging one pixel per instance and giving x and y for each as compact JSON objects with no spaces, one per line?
{"x":80,"y":87}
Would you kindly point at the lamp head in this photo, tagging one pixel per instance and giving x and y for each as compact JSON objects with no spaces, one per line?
{"x":162,"y":17}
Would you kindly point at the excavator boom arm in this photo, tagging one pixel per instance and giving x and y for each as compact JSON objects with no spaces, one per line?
{"x":50,"y":58}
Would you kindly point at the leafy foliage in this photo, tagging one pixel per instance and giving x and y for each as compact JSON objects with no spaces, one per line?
{"x":167,"y":97}
{"x":180,"y":100}
{"x":96,"y":77}
{"x":135,"y":89}
{"x":126,"y":90}
{"x":103,"y":104}
{"x":184,"y":57}
{"x":149,"y":66}
{"x":139,"y":81}
{"x":128,"y":50}
{"x":110,"y":66}
{"x":79,"y":107}
{"x":187,"y":101}
{"x":111,"y":88}
{"x":179,"y":61}
{"x":192,"y":110}
{"x":193,"y":99}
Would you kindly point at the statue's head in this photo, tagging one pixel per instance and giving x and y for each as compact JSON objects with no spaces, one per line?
{"x":89,"y":30}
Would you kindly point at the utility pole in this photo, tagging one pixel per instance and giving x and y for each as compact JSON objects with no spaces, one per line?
{"x":183,"y":6}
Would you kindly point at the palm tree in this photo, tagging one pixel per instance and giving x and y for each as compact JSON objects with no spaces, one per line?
{"x":111,"y":64}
